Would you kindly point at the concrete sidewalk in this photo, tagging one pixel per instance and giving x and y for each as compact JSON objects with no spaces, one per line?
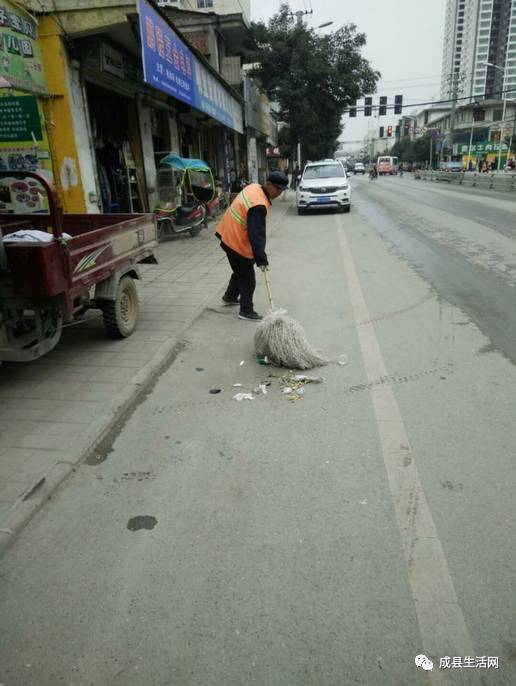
{"x":55,"y":411}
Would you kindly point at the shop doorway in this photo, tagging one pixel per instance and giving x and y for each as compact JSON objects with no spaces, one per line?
{"x":118,"y":155}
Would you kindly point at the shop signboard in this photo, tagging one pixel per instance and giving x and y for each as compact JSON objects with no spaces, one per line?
{"x":19,"y":119}
{"x":112,"y":60}
{"x":21,"y":64}
{"x":258,"y":111}
{"x":171,"y":67}
{"x":23,"y":147}
{"x":484,"y":147}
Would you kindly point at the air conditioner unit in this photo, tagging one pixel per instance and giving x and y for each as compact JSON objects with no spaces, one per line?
{"x":169,"y":3}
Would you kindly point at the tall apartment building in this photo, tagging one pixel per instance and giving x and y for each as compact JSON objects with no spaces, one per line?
{"x":217,"y":6}
{"x":477,"y":32}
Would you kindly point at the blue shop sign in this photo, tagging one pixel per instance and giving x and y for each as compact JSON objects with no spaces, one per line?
{"x":170,"y":66}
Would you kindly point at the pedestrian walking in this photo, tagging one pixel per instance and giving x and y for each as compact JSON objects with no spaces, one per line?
{"x":242,"y":234}
{"x":295,"y":177}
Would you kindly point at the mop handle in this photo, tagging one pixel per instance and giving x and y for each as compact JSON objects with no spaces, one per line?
{"x":268,"y":286}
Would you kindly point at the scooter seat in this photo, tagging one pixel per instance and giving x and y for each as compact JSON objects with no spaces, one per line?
{"x":186,"y":210}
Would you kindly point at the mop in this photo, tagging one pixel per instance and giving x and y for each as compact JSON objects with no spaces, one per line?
{"x":283,"y":340}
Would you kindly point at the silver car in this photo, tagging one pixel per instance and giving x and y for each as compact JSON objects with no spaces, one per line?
{"x":323,"y":184}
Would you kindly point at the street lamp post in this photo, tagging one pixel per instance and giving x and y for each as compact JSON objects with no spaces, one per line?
{"x":476,"y":104}
{"x":502,"y":69}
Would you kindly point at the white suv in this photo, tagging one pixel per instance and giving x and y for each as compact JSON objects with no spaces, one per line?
{"x":323,"y":184}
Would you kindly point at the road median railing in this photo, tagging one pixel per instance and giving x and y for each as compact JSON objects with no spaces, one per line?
{"x":501,"y":181}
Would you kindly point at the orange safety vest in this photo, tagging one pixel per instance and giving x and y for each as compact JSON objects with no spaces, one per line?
{"x":233,"y":225}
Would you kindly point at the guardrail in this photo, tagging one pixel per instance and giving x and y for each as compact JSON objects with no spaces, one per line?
{"x":494,"y":181}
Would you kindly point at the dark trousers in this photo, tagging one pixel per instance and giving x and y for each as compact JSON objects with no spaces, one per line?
{"x":242,"y":282}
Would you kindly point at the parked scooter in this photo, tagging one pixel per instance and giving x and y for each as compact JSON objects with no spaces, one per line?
{"x":219,"y":202}
{"x":185,"y":188}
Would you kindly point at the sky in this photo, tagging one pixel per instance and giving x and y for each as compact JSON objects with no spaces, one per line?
{"x":404,"y":43}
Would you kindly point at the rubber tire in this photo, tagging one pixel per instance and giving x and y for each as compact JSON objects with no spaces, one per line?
{"x":120,"y":316}
{"x":346,"y":208}
{"x":300,"y":210}
{"x":165,"y":230}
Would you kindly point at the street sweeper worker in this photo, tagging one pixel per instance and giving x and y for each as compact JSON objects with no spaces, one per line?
{"x":242,"y":233}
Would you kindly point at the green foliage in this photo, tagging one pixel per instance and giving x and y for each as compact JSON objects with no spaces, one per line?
{"x":412,"y":151}
{"x":312,"y":77}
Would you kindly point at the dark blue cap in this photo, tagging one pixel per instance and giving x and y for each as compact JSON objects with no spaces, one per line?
{"x":278,"y":179}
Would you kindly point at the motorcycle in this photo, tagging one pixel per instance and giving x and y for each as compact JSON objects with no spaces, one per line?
{"x":219,"y":202}
{"x":185,"y":188}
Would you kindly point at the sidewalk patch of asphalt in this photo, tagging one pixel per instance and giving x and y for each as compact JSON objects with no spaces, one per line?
{"x":99,"y":452}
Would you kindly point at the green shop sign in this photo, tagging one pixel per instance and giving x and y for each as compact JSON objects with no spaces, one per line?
{"x":19,"y":119}
{"x":485,"y":147}
{"x":21,"y":64}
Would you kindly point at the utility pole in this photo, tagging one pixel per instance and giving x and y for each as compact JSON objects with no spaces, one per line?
{"x":454,"y":95}
{"x":300,"y":14}
{"x":512,"y":132}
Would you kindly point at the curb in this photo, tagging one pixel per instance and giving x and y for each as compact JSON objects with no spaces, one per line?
{"x":100,"y":429}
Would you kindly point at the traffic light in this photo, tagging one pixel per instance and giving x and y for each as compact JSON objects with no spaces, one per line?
{"x":381,"y":131}
{"x":389,"y":131}
{"x":368,"y":103}
{"x":383,"y":106}
{"x":398,"y":104}
{"x":353,"y":109}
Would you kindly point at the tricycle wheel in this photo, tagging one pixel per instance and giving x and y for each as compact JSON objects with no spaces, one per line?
{"x":195,"y":231}
{"x":165,"y":229}
{"x":120,"y":316}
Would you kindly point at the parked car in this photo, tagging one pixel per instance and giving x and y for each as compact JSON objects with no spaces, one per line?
{"x":451,"y":166}
{"x":323,"y":184}
{"x":359,"y":168}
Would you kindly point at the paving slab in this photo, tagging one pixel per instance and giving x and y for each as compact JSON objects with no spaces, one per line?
{"x":55,"y":410}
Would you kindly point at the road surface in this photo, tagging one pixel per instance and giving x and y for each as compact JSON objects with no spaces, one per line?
{"x":322,"y":542}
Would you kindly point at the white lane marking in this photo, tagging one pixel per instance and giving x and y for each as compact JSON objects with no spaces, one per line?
{"x":441,"y":622}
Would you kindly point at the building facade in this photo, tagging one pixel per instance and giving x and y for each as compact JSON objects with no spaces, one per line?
{"x":25,"y":110}
{"x":126,"y":88}
{"x":480,"y":134}
{"x":218,"y":6}
{"x":478,"y":32}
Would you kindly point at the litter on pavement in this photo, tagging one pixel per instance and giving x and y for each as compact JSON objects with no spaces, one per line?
{"x":243,"y":396}
{"x":294,"y":386}
{"x":262,"y":388}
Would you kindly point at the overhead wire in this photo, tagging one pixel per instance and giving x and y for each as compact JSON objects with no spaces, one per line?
{"x":436,"y":102}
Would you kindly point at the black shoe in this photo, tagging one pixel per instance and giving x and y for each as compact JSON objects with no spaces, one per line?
{"x":229,"y":301}
{"x":250,"y":316}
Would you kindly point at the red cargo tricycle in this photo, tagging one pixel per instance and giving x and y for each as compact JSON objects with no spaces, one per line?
{"x":88,"y":261}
